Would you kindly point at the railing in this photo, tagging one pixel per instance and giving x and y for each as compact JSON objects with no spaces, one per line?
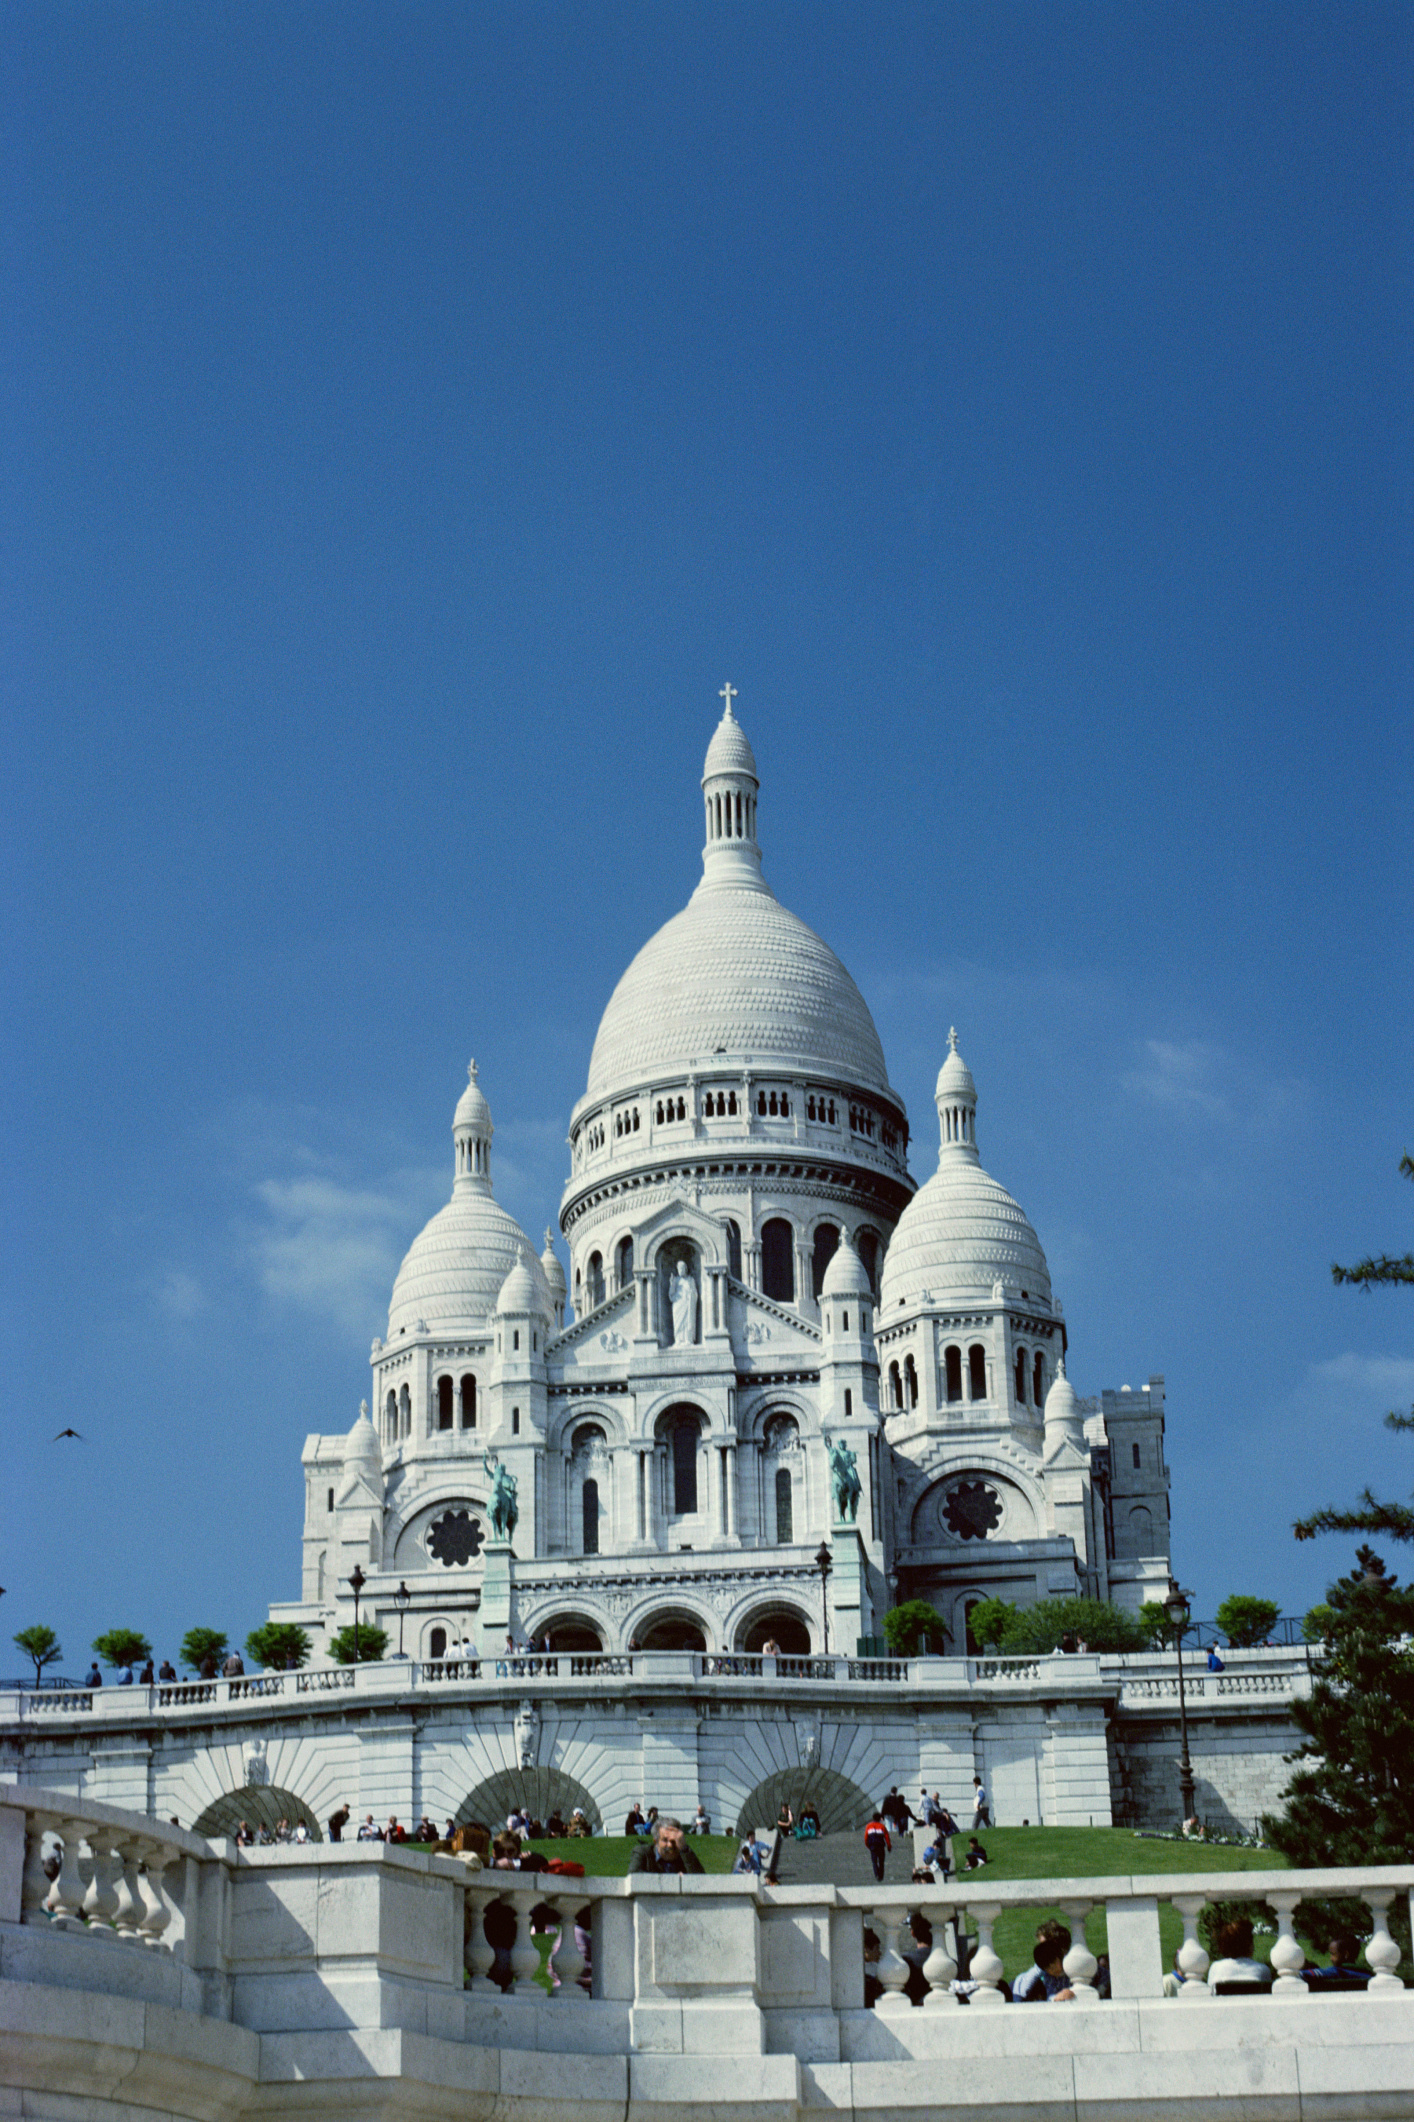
{"x":325,"y":1679}
{"x":96,"y":1871}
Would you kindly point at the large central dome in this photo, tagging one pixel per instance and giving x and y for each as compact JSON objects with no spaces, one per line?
{"x":735,"y":976}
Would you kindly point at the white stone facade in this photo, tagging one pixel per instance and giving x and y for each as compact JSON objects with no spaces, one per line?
{"x":738,"y":1143}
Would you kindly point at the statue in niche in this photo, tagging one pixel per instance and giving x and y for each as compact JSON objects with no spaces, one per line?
{"x":682,"y":1299}
{"x":504,"y":1511}
{"x":844,"y":1475}
{"x":527,"y":1731}
{"x":257,"y":1768}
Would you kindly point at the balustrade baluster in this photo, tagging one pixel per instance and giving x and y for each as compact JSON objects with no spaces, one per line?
{"x":566,"y":1961}
{"x":100,"y":1902}
{"x":35,"y":1884}
{"x":892,"y":1968}
{"x":1080,"y":1963}
{"x":525,"y":1955}
{"x":480,"y":1953}
{"x":127,"y":1917}
{"x":940,"y":1968}
{"x":157,"y":1908}
{"x":1381,"y":1952}
{"x":987,"y":1968}
{"x":1287,"y":1957}
{"x":66,"y":1895}
{"x":1192,"y":1959}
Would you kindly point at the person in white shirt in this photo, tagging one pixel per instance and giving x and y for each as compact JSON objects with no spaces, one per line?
{"x":1235,"y":1962}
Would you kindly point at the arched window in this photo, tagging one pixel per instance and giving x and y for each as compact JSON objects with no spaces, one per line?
{"x":867,"y":1247}
{"x":660,"y":1112}
{"x":405,"y":1411}
{"x":733,"y":1248}
{"x":731,"y":1101}
{"x":589,"y":1506}
{"x":685,"y":1434}
{"x":778,"y":1260}
{"x":785,"y":1519}
{"x":682,"y":1110}
{"x":910,"y":1379}
{"x":827,"y":1240}
{"x":1138,"y":1458}
{"x":952,"y":1363}
{"x":761,"y":1103}
{"x":437,"y":1643}
{"x":468,"y":1399}
{"x":624,"y":1262}
{"x":1021,"y":1377}
{"x":977,"y":1371}
{"x":595,"y":1272}
{"x":390,"y":1418}
{"x":445,"y":1408}
{"x":895,"y":1386}
{"x":1141,"y":1528}
{"x":1038,"y":1379}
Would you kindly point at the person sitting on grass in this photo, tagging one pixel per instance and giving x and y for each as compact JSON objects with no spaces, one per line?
{"x":1034,"y":1984}
{"x":579,"y":1828}
{"x":555,"y":1827}
{"x":1235,"y":1961}
{"x":976,"y":1855}
{"x":668,"y":1851}
{"x":701,"y":1821}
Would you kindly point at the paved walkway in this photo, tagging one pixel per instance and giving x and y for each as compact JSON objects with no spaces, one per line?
{"x":842,"y":1860}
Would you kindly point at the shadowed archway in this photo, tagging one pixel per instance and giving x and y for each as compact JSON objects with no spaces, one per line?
{"x":842,"y":1805}
{"x":538,"y":1791}
{"x":259,"y":1805}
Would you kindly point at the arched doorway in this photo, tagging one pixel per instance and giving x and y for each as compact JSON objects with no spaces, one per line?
{"x":259,"y":1805}
{"x":569,"y":1632}
{"x":538,"y":1791}
{"x":781,"y":1624}
{"x":843,"y":1807}
{"x":670,"y":1629}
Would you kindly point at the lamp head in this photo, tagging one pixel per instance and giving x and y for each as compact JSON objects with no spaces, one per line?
{"x":402,"y":1595}
{"x":357,"y":1580}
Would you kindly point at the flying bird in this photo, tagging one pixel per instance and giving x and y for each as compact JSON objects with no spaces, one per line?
{"x":68,"y":1433}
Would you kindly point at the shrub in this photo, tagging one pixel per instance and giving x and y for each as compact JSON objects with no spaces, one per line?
{"x":122,"y":1646}
{"x":372,"y":1645}
{"x":913,"y":1623}
{"x":1246,"y":1621}
{"x":1093,"y":1622}
{"x":280,"y":1646}
{"x":199,"y":1644}
{"x":992,"y":1622}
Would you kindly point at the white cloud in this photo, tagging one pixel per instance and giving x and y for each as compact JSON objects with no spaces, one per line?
{"x":180,"y":1294}
{"x":334,"y":1249}
{"x":1347,"y":1382}
{"x":1194,"y":1079}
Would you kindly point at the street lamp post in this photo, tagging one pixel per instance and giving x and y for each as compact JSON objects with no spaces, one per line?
{"x":357,"y":1582}
{"x":825,"y":1565}
{"x":1178,"y":1606}
{"x":401,"y":1598}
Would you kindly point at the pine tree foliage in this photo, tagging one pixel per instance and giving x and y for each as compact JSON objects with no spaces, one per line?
{"x":42,"y":1646}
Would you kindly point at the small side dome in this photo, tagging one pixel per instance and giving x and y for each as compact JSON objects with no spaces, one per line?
{"x":1063,"y":1402}
{"x":846,"y":1276}
{"x":729,"y":752}
{"x":362,"y":1445}
{"x":519,"y":1294}
{"x":554,"y":1274}
{"x":955,"y":1077}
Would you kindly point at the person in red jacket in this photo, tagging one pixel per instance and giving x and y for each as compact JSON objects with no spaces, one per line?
{"x":878,"y":1844}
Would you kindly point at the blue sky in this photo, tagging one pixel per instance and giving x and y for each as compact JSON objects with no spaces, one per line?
{"x":412,"y":416}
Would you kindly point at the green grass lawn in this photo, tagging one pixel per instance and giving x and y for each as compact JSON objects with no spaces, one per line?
{"x":606,"y":1856}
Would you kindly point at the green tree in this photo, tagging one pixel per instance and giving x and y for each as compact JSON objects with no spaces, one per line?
{"x":1395,"y":1521}
{"x":912,"y":1624}
{"x":1350,"y":1799}
{"x":1156,"y":1630}
{"x":372,"y":1644}
{"x":42,"y":1646}
{"x":122,"y":1646}
{"x":1051,"y":1622}
{"x":278,"y":1645}
{"x":199,"y":1644}
{"x":992,"y":1622}
{"x":1245,"y":1621}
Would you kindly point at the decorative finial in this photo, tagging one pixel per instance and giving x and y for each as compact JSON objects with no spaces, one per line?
{"x":952,"y":1041}
{"x":363,"y":1410}
{"x":1060,"y":1366}
{"x":728,"y":693}
{"x":549,"y":1239}
{"x":471,"y":1071}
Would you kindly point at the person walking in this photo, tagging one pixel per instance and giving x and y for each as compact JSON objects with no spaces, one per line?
{"x":877,"y":1842}
{"x":981,"y":1810}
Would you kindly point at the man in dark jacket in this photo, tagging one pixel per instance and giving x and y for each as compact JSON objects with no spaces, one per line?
{"x":668,"y":1851}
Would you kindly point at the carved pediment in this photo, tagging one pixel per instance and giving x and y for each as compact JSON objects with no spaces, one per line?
{"x":765,"y":1335}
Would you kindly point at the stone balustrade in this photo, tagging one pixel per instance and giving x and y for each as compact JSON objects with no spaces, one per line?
{"x":205,"y":1980}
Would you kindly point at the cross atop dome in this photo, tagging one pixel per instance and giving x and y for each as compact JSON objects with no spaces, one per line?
{"x":728,"y":693}
{"x":952,"y":1041}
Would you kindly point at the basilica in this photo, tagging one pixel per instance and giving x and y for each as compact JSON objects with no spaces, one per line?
{"x":773,"y":1387}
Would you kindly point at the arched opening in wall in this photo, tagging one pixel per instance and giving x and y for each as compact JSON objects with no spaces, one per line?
{"x":1138,"y":1457}
{"x":977,"y":1371}
{"x":733,"y":1249}
{"x":895,"y":1386}
{"x":866,"y":1244}
{"x":1038,"y":1380}
{"x":910,"y":1381}
{"x":1021,"y":1377}
{"x":843,"y":1807}
{"x":437,"y":1643}
{"x":405,"y":1411}
{"x":589,"y":1515}
{"x":670,"y":1629}
{"x":594,"y":1280}
{"x":390,"y":1418}
{"x":974,"y":1648}
{"x":537,"y":1791}
{"x":570,"y":1632}
{"x":684,"y":1436}
{"x":259,"y":1805}
{"x":827,"y":1244}
{"x":778,"y":1260}
{"x":623,"y":1262}
{"x":776,"y":1624}
{"x":468,"y":1400}
{"x":446,"y":1410}
{"x":1141,"y":1529}
{"x":785,"y":1511}
{"x":952,"y":1366}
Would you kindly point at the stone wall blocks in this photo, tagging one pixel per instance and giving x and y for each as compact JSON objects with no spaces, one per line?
{"x":671,"y":2088}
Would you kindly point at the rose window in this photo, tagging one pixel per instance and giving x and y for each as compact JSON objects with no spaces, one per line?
{"x":454,"y":1537}
{"x":972,"y":1510}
